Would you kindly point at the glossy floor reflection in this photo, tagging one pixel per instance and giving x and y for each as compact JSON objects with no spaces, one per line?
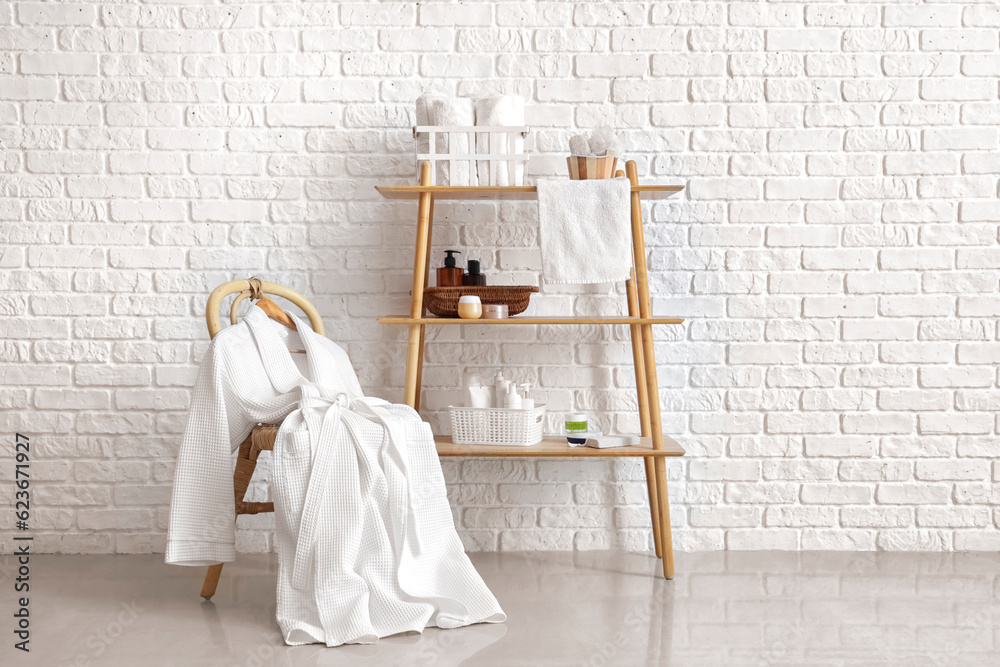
{"x":573,"y":609}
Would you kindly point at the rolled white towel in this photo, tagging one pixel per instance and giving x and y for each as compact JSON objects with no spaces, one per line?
{"x":456,"y":111}
{"x":425,"y":116}
{"x":424,"y":107}
{"x":500,"y":110}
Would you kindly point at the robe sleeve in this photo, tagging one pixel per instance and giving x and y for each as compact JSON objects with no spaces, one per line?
{"x":202,"y":529}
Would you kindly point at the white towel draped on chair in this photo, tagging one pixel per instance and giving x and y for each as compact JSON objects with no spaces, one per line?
{"x":366,"y":541}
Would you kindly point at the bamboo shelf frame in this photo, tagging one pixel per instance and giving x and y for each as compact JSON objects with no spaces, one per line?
{"x":654,"y":447}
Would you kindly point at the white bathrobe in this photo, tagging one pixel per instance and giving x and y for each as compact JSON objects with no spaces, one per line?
{"x":366,"y":542}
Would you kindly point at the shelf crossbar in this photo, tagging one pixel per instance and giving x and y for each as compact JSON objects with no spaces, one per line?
{"x":518,"y":319}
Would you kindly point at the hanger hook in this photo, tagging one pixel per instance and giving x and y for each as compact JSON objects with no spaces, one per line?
{"x":255,"y":288}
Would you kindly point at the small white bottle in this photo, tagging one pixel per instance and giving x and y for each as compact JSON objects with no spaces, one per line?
{"x":527,"y":403}
{"x":472,"y":379}
{"x":513,"y":399}
{"x":476,"y":395}
{"x":500,"y":386}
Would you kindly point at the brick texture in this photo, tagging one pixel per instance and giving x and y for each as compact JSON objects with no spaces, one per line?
{"x":836,"y":251}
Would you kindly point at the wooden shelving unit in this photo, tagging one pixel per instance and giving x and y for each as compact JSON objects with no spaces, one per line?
{"x":654,"y":446}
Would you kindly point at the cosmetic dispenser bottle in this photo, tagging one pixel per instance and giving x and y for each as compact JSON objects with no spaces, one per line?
{"x":449,"y":275}
{"x":513,"y":399}
{"x":474,"y":278}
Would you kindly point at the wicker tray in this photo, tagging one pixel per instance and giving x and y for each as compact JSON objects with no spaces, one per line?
{"x":443,"y":301}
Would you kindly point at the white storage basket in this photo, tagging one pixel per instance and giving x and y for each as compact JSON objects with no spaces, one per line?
{"x":434,"y":144}
{"x":496,"y":426}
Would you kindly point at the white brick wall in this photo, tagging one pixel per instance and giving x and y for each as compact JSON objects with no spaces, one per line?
{"x":836,"y":251}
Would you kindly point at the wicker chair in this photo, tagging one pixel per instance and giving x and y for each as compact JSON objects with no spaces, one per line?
{"x":262,"y":437}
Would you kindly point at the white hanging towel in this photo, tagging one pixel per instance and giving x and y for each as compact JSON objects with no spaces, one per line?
{"x":585,"y":231}
{"x":366,"y":541}
{"x":495,"y":111}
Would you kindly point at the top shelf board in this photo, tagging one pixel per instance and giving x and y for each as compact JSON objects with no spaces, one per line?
{"x":500,"y":192}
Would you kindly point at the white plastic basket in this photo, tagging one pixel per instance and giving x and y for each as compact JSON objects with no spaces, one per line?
{"x":496,"y":426}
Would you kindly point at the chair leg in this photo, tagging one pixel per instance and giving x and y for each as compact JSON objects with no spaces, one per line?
{"x":211,"y":581}
{"x":245,"y":465}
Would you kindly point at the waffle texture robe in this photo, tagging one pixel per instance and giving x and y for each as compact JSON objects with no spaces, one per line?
{"x":366,"y":541}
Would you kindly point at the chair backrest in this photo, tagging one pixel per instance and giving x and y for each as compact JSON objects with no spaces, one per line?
{"x":256,"y":288}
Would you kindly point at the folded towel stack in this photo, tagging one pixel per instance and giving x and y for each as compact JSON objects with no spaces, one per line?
{"x":497,"y":111}
{"x":584,"y":230}
{"x":438,"y":109}
{"x":425,"y":104}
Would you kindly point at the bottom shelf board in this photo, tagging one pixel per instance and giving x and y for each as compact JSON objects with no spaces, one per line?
{"x":557,"y":446}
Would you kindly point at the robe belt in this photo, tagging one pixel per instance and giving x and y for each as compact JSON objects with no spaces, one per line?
{"x":320,"y":431}
{"x":326,"y":431}
{"x":399,"y":447}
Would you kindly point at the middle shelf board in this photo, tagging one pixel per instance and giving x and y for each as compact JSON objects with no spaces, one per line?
{"x":556,"y":446}
{"x":524,"y":192}
{"x":548,"y":319}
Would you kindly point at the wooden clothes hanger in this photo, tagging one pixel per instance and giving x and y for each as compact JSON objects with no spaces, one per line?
{"x":271,"y":309}
{"x":276,"y":313}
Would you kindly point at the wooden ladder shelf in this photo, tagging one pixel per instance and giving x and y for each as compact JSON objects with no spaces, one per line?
{"x":654,"y":446}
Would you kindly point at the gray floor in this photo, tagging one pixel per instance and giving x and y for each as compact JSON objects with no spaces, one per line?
{"x":573,"y":609}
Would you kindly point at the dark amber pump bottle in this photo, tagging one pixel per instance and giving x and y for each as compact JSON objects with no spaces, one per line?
{"x":449,"y":275}
{"x":474,"y":277}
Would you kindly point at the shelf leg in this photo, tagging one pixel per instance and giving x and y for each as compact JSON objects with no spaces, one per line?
{"x":418,"y":382}
{"x":414,"y":347}
{"x":640,"y":387}
{"x":649,"y":368}
{"x":665,"y":537}
{"x":423,"y":328}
